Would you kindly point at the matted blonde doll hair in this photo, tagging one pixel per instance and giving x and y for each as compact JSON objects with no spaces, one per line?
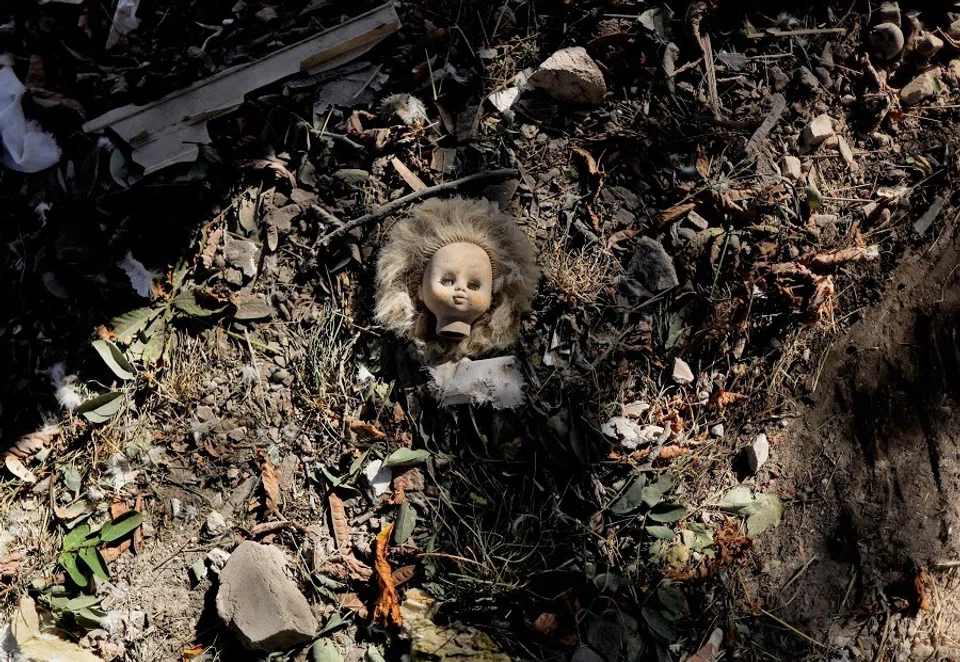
{"x":429,"y":227}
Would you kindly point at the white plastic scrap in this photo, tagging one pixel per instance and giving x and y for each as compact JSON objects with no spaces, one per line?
{"x":496,"y":382}
{"x":378,"y":477}
{"x":26,"y":146}
{"x":125,"y":21}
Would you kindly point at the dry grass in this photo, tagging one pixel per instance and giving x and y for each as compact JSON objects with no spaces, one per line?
{"x":582,"y":275}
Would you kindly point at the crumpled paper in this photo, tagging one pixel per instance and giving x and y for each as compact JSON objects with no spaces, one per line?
{"x":125,"y":21}
{"x":26,"y":146}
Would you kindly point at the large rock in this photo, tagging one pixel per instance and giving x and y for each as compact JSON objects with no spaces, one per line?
{"x":260,"y":602}
{"x":920,"y":88}
{"x":886,"y":41}
{"x":571,"y":75}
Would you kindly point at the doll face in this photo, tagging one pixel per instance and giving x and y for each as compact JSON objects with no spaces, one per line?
{"x":457,"y":288}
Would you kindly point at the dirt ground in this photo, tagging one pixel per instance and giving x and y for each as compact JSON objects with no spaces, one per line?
{"x":616,"y":514}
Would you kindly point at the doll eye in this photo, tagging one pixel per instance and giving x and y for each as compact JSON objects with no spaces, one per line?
{"x":447,"y":280}
{"x":474,"y":284}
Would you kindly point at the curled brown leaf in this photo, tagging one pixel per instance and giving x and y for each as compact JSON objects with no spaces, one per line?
{"x":387,"y":610}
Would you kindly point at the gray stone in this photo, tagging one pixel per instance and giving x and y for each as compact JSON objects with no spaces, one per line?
{"x":758,"y":452}
{"x":717,"y":431}
{"x":571,"y":75}
{"x":352,"y":176}
{"x":260,"y":602}
{"x":886,"y":40}
{"x":920,"y":88}
{"x":818,"y":130}
{"x":622,"y":429}
{"x":282,"y":217}
{"x":779,"y":79}
{"x":241,"y":254}
{"x":791,"y":168}
{"x":215,"y":523}
{"x":922,"y":653}
{"x":682,"y":374}
{"x":652,"y":266}
{"x":929,"y":45}
{"x":806,"y":80}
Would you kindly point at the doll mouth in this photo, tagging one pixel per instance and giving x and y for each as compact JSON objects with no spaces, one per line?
{"x":459,"y":300}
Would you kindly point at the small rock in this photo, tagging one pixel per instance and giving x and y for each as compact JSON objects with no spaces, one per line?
{"x":682,"y":374}
{"x":717,"y":431}
{"x":920,"y":88}
{"x":791,"y":168}
{"x":758,"y":452}
{"x":823,"y":75}
{"x":889,"y":12}
{"x":622,"y":429}
{"x":571,"y":75}
{"x":922,"y":653}
{"x":818,"y":130}
{"x":929,"y":45}
{"x":846,"y":153}
{"x":352,"y":176}
{"x":806,"y":80}
{"x":953,"y":72}
{"x":303,"y":198}
{"x":652,"y":266}
{"x":260,"y":602}
{"x":886,"y":40}
{"x":779,"y":79}
{"x":282,"y":217}
{"x":175,"y":506}
{"x":954,"y":30}
{"x":280,"y":376}
{"x":635,"y":409}
{"x":217,"y":558}
{"x":241,"y":254}
{"x":267,"y":14}
{"x":252,"y":307}
{"x":215,"y":523}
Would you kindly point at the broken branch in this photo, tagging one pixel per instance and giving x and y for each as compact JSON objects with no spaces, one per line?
{"x":410,"y":197}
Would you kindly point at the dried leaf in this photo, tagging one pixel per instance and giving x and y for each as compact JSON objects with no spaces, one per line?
{"x":10,"y":564}
{"x":837,"y":258}
{"x":271,"y":484}
{"x":674,"y":213}
{"x":387,"y":610}
{"x":340,"y":525}
{"x":278,"y":170}
{"x":721,"y":399}
{"x":363,"y":430}
{"x":353,"y":602}
{"x":18,"y":469}
{"x":402,"y":575}
{"x":210,"y":250}
{"x":33,"y":443}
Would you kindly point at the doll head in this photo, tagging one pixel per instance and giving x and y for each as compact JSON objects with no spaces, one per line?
{"x":454,"y":276}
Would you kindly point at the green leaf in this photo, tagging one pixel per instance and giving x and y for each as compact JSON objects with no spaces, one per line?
{"x":671,"y":598}
{"x":72,"y":478}
{"x":736,"y":499}
{"x":101,"y":408}
{"x":653,"y":493}
{"x":814,"y":198}
{"x":333,"y":480}
{"x":198,"y":303}
{"x":92,"y":559}
{"x":336,"y":622}
{"x":324,"y":651}
{"x":373,"y":655}
{"x":129,"y":325}
{"x":766,"y":515}
{"x":661,"y":532}
{"x":82,"y":602}
{"x":114,"y":359}
{"x":156,"y":337}
{"x":68,"y":561}
{"x":631,"y":499}
{"x":72,"y":540}
{"x":667,"y":513}
{"x":88,"y":618}
{"x":121,"y":526}
{"x":405,"y":457}
{"x":658,"y":624}
{"x":406,"y":523}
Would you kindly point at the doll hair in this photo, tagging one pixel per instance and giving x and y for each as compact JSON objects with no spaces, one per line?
{"x":429,"y":227}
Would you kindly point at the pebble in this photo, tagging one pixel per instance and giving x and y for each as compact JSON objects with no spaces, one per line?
{"x":635,"y":409}
{"x":682,"y":374}
{"x":779,"y":79}
{"x":571,"y":75}
{"x":717,"y":431}
{"x":791,"y":168}
{"x":929,"y":45}
{"x":920,"y":88}
{"x":204,"y":412}
{"x":241,"y":254}
{"x":215,"y":523}
{"x":175,"y":506}
{"x":758,"y":453}
{"x":818,"y":130}
{"x":260,"y":602}
{"x":352,"y":175}
{"x":922,"y":653}
{"x":622,"y":429}
{"x":806,"y":79}
{"x":886,"y":40}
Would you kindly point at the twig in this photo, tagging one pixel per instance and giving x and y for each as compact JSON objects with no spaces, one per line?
{"x":410,"y":197}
